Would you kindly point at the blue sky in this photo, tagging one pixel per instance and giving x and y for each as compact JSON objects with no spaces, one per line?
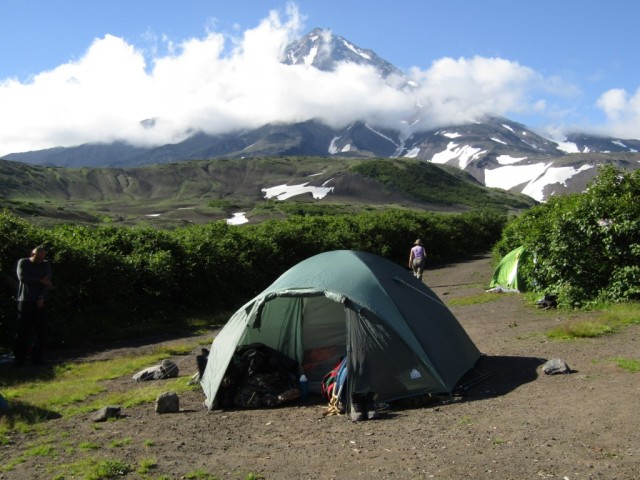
{"x":73,"y":71}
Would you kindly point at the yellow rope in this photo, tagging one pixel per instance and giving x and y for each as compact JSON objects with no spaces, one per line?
{"x":333,"y":407}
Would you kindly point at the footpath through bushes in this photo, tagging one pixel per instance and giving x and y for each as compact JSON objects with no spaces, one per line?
{"x":114,"y":282}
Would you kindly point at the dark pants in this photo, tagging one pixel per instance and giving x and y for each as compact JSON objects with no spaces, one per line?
{"x":30,"y":333}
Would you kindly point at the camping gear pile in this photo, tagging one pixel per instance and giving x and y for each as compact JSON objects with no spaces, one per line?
{"x":258,"y":376}
{"x":398,"y":338}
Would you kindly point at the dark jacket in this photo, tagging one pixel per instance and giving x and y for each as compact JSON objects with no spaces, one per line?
{"x":29,"y":276}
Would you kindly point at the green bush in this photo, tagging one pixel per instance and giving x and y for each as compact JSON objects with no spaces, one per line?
{"x":112,"y":282}
{"x":586,"y":246}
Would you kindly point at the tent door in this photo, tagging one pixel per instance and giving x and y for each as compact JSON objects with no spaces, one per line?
{"x":324,"y":334}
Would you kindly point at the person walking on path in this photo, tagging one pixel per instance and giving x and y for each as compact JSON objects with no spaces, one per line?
{"x":417,"y":259}
{"x":34,"y":277}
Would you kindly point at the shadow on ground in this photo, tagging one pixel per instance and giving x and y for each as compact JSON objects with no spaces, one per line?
{"x":497,"y":375}
{"x":492,"y":376}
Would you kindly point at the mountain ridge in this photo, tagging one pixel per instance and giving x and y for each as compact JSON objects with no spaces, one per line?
{"x":496,"y":151}
{"x":208,"y":190}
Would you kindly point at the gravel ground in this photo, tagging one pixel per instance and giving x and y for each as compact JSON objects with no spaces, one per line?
{"x":516,"y":424}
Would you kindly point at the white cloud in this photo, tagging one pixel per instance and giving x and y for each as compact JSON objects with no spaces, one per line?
{"x":464,"y":89}
{"x":219,"y":83}
{"x":623,"y":112}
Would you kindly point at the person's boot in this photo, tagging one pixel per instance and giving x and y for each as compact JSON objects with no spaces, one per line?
{"x":370,"y":406}
{"x":357,"y":413}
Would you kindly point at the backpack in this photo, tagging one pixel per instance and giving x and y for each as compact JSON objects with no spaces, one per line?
{"x":333,"y":383}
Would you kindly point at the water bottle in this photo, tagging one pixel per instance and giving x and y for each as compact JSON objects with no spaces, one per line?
{"x":304,"y":389}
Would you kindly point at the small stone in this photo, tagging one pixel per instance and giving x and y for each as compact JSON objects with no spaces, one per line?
{"x":168,"y":402}
{"x":105,"y":414}
{"x":555,"y":366}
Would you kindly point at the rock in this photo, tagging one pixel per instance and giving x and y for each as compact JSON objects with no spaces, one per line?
{"x":105,"y":413}
{"x":168,"y":402}
{"x":170,"y":369}
{"x":151,"y":373}
{"x":167,"y":369}
{"x":555,"y":366}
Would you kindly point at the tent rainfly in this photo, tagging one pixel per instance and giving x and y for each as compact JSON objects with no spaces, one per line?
{"x":399,"y":337}
{"x":506,"y":274}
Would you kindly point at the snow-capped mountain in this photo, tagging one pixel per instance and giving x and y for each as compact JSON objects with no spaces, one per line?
{"x":496,"y":151}
{"x":323,"y":50}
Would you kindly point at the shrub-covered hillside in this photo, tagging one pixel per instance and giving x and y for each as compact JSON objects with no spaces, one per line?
{"x":170,"y":195}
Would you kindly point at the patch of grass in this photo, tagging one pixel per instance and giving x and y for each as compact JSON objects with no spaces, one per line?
{"x":149,"y":443}
{"x":93,"y":469}
{"x":622,"y":314}
{"x":72,"y":389}
{"x":465,"y":421}
{"x":146,"y":465}
{"x":41,"y":450}
{"x":610,"y":318}
{"x":629,"y":364}
{"x":120,"y":443}
{"x":176,"y":349}
{"x":473,"y":300}
{"x":199,"y":475}
{"x":108,"y":469}
{"x":11,"y":464}
{"x":580,"y":329}
{"x":44,"y":450}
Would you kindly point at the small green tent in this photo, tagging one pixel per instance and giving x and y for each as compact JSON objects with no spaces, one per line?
{"x":399,"y":337}
{"x":506,"y":274}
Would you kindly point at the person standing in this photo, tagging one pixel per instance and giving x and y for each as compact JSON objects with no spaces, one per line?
{"x":34,"y":277}
{"x":417,"y":259}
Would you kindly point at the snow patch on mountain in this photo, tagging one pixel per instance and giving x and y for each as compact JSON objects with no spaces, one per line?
{"x":464,"y":154}
{"x":333,"y":149}
{"x":568,"y":147}
{"x":508,"y":159}
{"x":508,"y":127}
{"x":356,"y":50}
{"x":535,"y":188}
{"x":541,"y":173}
{"x":238,"y":219}
{"x":623,"y":145}
{"x":413,"y":153}
{"x":450,"y":134}
{"x":308,"y":59}
{"x":497,"y":140}
{"x":283,"y":192}
{"x":386,"y":137}
{"x":511,"y":176}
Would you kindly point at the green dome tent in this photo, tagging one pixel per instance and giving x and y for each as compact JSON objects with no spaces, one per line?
{"x":506,"y":274}
{"x":399,"y":337}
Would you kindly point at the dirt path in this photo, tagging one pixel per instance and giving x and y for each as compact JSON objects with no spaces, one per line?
{"x":517,"y":424}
